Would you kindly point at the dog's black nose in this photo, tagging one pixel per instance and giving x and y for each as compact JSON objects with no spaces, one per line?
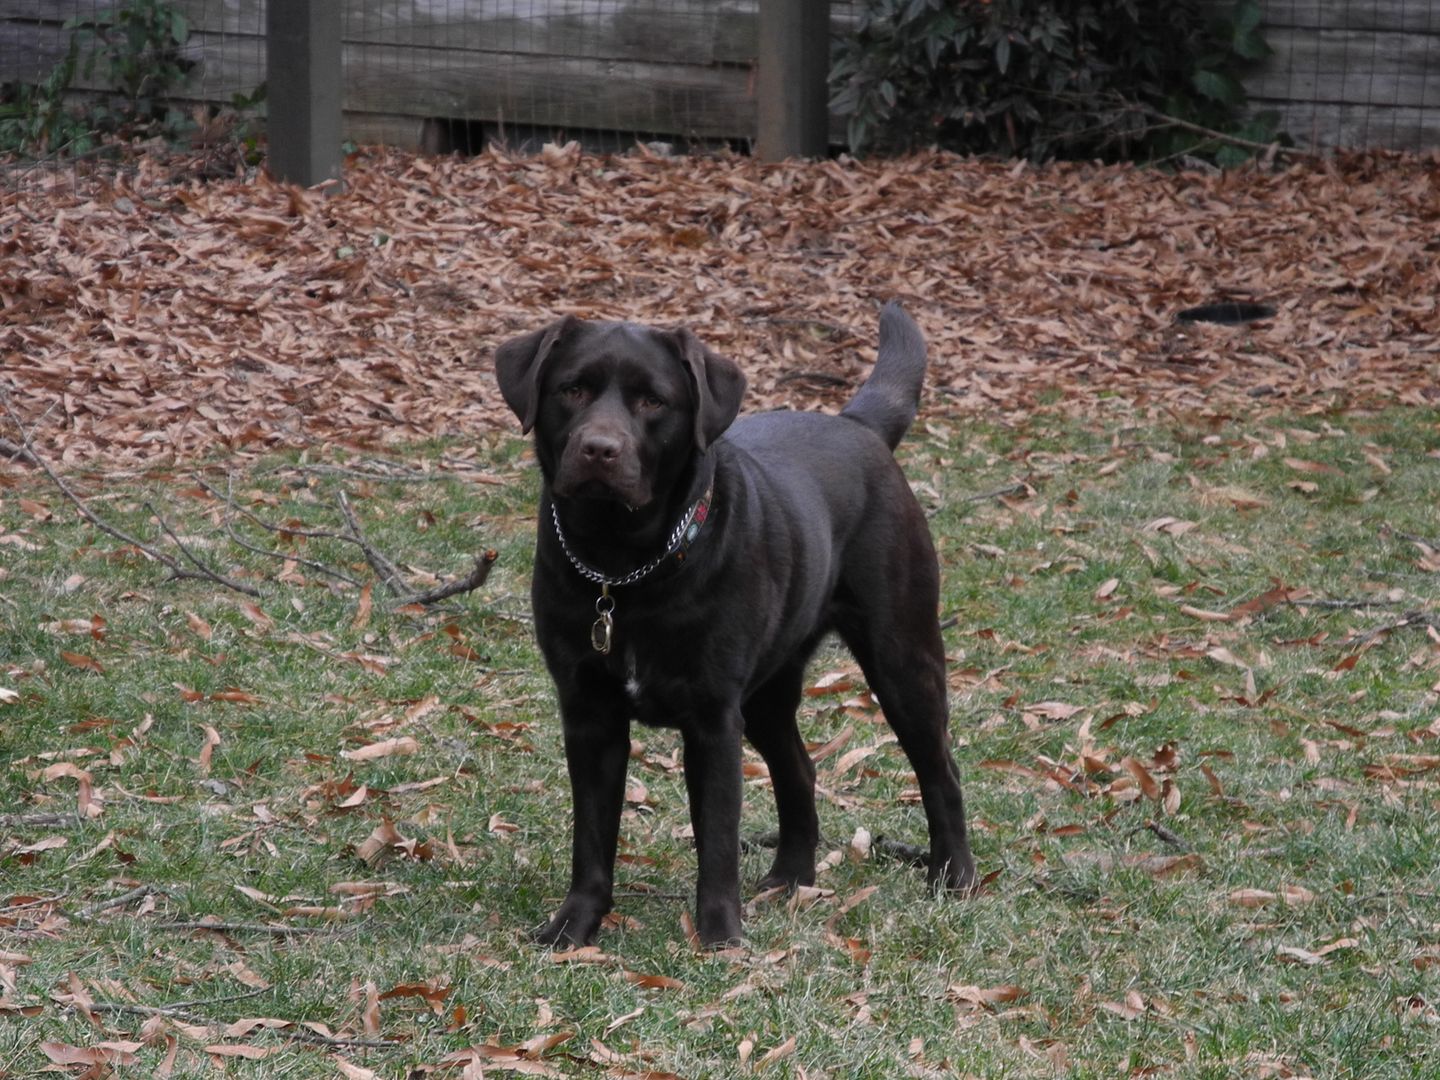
{"x":600,"y":448}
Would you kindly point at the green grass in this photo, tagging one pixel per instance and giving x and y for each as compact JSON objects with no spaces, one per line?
{"x":1293,"y":751}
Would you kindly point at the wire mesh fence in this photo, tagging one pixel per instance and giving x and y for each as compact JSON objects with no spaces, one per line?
{"x":1353,"y":73}
{"x":448,"y":75}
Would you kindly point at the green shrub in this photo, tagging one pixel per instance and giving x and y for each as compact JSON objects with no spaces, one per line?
{"x":136,"y":46}
{"x":1049,"y":78}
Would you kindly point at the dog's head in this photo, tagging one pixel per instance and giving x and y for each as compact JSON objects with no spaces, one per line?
{"x":617,"y":409}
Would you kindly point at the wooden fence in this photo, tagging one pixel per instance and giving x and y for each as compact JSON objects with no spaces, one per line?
{"x":1344,"y":73}
{"x":1353,"y":73}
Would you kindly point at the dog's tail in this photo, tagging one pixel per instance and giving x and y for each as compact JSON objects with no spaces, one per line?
{"x":890,"y":397}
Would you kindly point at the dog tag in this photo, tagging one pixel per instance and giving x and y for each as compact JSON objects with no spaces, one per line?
{"x":604,"y":628}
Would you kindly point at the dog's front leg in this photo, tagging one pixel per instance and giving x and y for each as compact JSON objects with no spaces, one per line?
{"x":597,"y":748}
{"x":712,"y":778}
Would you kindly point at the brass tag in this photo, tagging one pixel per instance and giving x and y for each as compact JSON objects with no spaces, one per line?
{"x":603,"y":629}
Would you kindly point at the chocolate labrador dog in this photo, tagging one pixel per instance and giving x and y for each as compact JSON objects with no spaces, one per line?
{"x":686,"y":567}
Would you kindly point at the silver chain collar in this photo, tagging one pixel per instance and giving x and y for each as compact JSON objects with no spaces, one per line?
{"x":591,"y":574}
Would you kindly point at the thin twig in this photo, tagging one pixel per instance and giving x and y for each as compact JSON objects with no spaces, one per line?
{"x":201,"y":571}
{"x":391,"y":473}
{"x":1166,"y":835}
{"x":89,"y":911}
{"x":285,"y":556}
{"x":14,"y":451}
{"x":270,"y":526}
{"x":1429,"y":543}
{"x":387,"y":570}
{"x":1009,"y":489}
{"x":174,"y":565}
{"x":468,"y":583}
{"x":1410,"y":618}
{"x":296,"y":1032}
{"x":1343,"y":605}
{"x":252,"y":928}
{"x":10,"y":821}
{"x":819,"y":378}
{"x":273,"y":553}
{"x":1220,"y":136}
{"x":222,"y":1000}
{"x":42,"y":901}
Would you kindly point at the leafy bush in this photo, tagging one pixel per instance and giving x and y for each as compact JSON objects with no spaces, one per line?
{"x":136,"y":46}
{"x":1050,"y":78}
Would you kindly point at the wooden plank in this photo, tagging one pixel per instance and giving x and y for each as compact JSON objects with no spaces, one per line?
{"x":561,"y":92}
{"x":653,"y":31}
{"x":674,"y":31}
{"x":1408,"y":16}
{"x":554,"y":91}
{"x":369,"y":129}
{"x":1384,"y":70}
{"x":1322,"y":126}
{"x":219,"y":16}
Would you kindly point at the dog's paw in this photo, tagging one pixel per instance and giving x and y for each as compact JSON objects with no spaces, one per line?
{"x":956,"y":876}
{"x":719,"y":929}
{"x":573,"y":925}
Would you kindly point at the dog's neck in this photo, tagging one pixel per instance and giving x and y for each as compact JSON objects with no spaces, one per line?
{"x":614,"y":539}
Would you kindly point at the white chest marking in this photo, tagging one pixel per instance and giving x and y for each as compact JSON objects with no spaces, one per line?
{"x":632,"y":681}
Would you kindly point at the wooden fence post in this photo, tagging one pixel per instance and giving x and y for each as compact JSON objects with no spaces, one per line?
{"x":303,"y":90}
{"x":792,"y":115}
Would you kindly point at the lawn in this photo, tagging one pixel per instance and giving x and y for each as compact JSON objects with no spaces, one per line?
{"x":1195,"y":701}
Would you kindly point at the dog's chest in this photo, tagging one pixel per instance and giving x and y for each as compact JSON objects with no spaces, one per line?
{"x":658,"y":694}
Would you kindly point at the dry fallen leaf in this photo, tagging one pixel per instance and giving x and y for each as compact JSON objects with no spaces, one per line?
{"x":403,"y":744}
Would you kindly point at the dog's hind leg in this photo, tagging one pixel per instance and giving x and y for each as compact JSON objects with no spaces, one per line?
{"x":770,"y":727}
{"x":907,"y":674}
{"x":889,"y":622}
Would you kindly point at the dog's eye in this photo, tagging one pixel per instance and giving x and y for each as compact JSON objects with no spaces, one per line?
{"x":649,"y":402}
{"x":574,"y":392}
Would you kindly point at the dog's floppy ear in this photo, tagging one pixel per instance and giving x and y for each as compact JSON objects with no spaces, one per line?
{"x":519,"y":365}
{"x":718,"y":384}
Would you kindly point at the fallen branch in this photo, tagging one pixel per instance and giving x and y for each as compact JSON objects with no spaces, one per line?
{"x":201,"y":571}
{"x":390,"y":574}
{"x":10,"y":821}
{"x":1008,"y":489}
{"x":470,"y":582}
{"x":231,"y":508}
{"x":89,"y":911}
{"x":295,"y":1032}
{"x":14,"y":451}
{"x":1219,"y":136}
{"x":190,"y":566}
{"x":1409,"y":619}
{"x":254,"y":928}
{"x":174,"y":565}
{"x":1343,"y":605}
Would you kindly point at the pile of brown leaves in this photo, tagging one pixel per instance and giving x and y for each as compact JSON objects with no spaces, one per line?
{"x":154,"y":317}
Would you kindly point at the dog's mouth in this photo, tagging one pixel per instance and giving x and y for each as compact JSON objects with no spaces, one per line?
{"x":594,"y":489}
